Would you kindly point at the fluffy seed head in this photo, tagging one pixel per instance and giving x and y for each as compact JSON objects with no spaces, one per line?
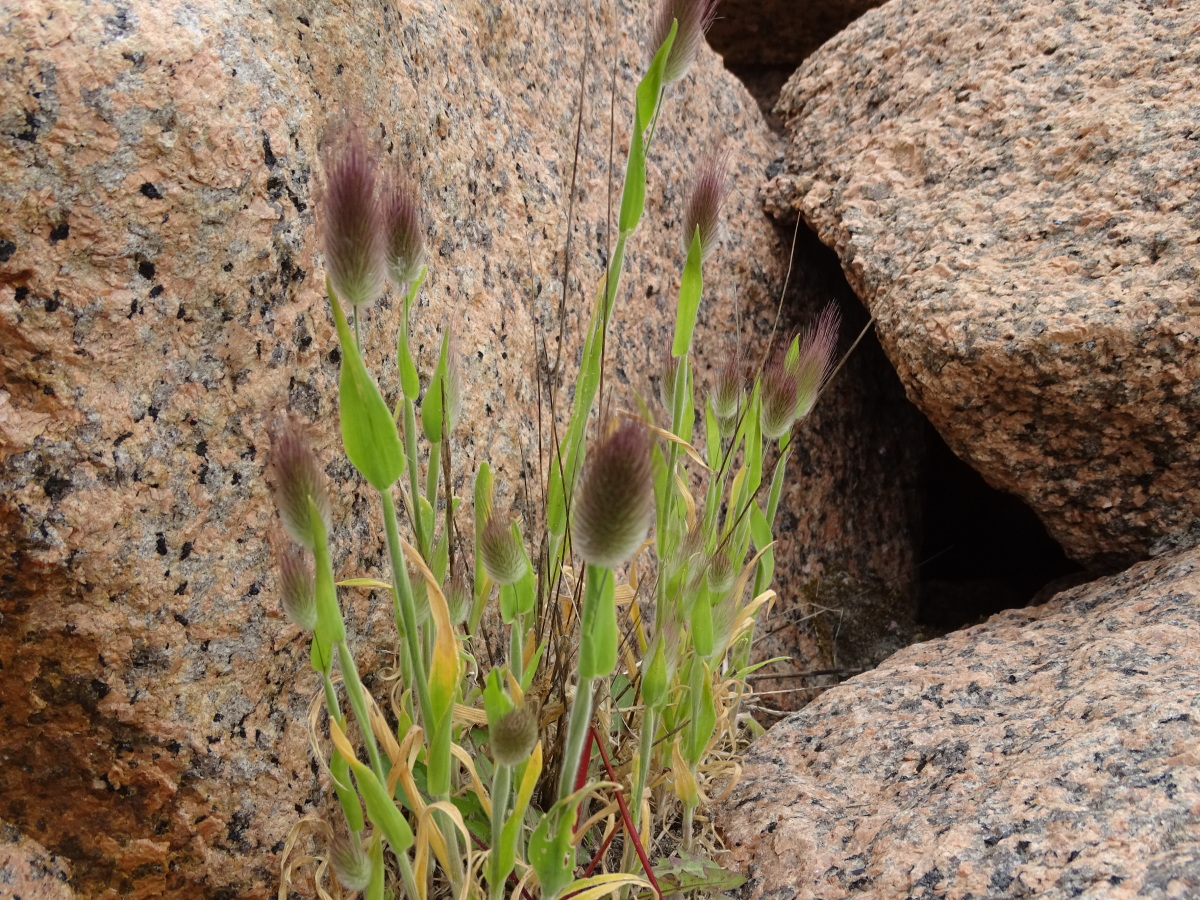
{"x":350,"y":862}
{"x":405,"y":234}
{"x":351,"y":218}
{"x":816,"y":360}
{"x":297,"y":588}
{"x":720,"y":574}
{"x":727,"y":393}
{"x":296,"y":478}
{"x":458,"y":597}
{"x":615,"y":503}
{"x":513,"y":736}
{"x":695,"y":16}
{"x":704,"y":205}
{"x":666,"y":387}
{"x":779,"y":400}
{"x":503,"y":555}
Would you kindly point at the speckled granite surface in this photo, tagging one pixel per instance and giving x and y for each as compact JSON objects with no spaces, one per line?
{"x":1051,"y":752}
{"x":1011,"y":188}
{"x":160,"y":302}
{"x":27,"y":871}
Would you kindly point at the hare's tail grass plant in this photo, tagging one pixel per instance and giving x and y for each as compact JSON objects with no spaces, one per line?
{"x":612,"y":717}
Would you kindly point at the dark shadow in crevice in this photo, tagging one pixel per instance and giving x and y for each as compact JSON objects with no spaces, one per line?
{"x":982,"y":550}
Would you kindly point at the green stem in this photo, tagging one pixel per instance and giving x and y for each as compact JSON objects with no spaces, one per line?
{"x":500,"y":790}
{"x":410,"y":450}
{"x":407,"y":608}
{"x":358,"y":703}
{"x":645,"y":755}
{"x":577,"y":726}
{"x":406,"y":875}
{"x":431,"y":474}
{"x":516,"y":649}
{"x":338,"y":767}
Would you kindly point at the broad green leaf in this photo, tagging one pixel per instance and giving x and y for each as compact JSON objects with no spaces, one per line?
{"x":704,"y":718}
{"x":381,"y":810}
{"x":702,"y":625}
{"x":433,"y":409}
{"x":777,"y":487}
{"x":682,"y":874}
{"x":690,"y":288}
{"x":410,"y":383}
{"x":649,"y":90}
{"x":330,"y":629}
{"x":368,"y":430}
{"x":598,"y":634}
{"x":712,"y":437}
{"x":654,"y":677}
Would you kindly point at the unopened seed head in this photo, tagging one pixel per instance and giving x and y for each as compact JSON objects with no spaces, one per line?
{"x":405,"y":232}
{"x":351,"y":219}
{"x":720,"y":574}
{"x":297,"y":479}
{"x":503,"y":556}
{"x":458,"y":597}
{"x":297,"y":587}
{"x":350,"y":862}
{"x":514,"y":736}
{"x":615,"y":503}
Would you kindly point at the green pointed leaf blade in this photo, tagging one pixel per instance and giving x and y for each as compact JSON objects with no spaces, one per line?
{"x":691,"y":286}
{"x":368,"y":431}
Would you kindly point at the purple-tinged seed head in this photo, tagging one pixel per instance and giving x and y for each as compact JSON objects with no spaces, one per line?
{"x":779,"y":400}
{"x":615,"y":504}
{"x":405,"y":233}
{"x":296,"y":479}
{"x":709,"y":192}
{"x":352,"y":225}
{"x":816,"y":359}
{"x":694,"y":16}
{"x":666,"y":386}
{"x":729,"y":389}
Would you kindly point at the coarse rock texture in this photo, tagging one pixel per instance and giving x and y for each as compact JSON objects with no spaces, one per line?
{"x":1051,"y":752}
{"x":161,"y":303}
{"x":27,"y":871}
{"x":1011,"y":189}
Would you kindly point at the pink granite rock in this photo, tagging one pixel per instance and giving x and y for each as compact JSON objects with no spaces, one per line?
{"x":161,"y":303}
{"x":1011,"y":189}
{"x":1051,"y":752}
{"x":27,"y":871}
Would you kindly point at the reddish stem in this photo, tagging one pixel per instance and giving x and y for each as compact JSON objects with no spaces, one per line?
{"x":625,"y":817}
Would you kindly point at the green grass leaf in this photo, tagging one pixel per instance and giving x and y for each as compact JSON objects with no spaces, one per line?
{"x":368,"y":430}
{"x":690,"y":288}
